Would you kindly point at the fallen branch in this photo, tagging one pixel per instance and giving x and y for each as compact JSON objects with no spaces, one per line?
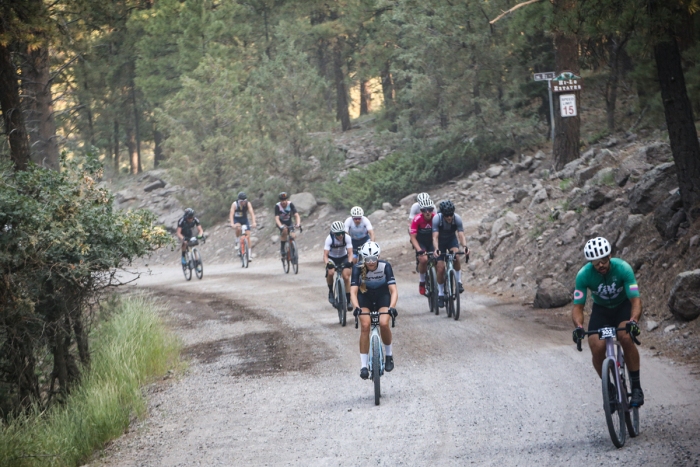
{"x":519,"y":5}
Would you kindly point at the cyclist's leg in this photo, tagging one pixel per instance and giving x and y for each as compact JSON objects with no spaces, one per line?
{"x":284,"y":230}
{"x":385,"y":326}
{"x":599,"y":319}
{"x":330,"y":273}
{"x":624,"y":312}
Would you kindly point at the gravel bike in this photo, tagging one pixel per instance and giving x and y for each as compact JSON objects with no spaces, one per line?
{"x":290,"y":256}
{"x":451,"y":285}
{"x":431,"y":287}
{"x":376,"y":350}
{"x":244,"y":247}
{"x":616,"y":389}
{"x":340,"y":300}
{"x":193,"y":259}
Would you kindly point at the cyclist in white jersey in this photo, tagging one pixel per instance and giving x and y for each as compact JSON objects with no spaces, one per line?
{"x":359,"y":228}
{"x":336,"y":252}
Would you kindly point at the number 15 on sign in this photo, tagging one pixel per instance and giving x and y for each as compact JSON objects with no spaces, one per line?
{"x":567,"y":104}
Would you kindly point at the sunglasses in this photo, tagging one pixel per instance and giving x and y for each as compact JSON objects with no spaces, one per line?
{"x":430,"y":209}
{"x":339,"y":234}
{"x":600,"y":262}
{"x":357,"y":218}
{"x":371,"y":259}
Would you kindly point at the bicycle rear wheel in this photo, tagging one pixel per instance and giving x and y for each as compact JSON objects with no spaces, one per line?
{"x":198,"y":266}
{"x":245,"y":253}
{"x":294,"y":254}
{"x":431,"y":290}
{"x":632,"y":413}
{"x":186,"y":267}
{"x":449,"y":294}
{"x":614,"y":414}
{"x":376,"y":369}
{"x":285,"y":260}
{"x":454,"y":285}
{"x":341,"y":302}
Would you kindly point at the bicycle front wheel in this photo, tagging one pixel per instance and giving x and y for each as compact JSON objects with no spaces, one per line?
{"x":614,"y":412}
{"x":198,"y":266}
{"x":294,"y":254}
{"x":454,"y":285}
{"x":285,"y":260}
{"x":431,"y":290}
{"x":341,"y":301}
{"x":632,"y":413}
{"x":376,"y":369}
{"x":186,"y":267}
{"x":245,"y":253}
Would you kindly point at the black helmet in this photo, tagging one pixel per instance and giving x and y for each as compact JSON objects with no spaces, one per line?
{"x":189,"y":213}
{"x":447,"y":208}
{"x":283,"y":196}
{"x":242,"y":195}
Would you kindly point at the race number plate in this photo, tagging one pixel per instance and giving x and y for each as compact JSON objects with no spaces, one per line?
{"x":606,"y":332}
{"x":374,"y":317}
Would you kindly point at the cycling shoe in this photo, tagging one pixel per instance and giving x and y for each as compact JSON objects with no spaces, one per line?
{"x":637,"y":397}
{"x":364,"y":373}
{"x":389,"y":363}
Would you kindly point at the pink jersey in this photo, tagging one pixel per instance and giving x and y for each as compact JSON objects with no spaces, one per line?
{"x":422,"y":227}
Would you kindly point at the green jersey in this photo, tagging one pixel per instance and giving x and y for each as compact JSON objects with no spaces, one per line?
{"x":608,"y":290}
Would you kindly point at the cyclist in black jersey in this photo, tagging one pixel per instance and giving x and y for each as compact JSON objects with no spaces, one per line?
{"x":373,"y":288}
{"x":185,"y":230}
{"x":284,"y":211}
{"x":337,"y":254}
{"x":448,"y":234}
{"x":238,"y":217}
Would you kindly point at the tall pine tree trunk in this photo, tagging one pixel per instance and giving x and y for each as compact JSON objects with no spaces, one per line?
{"x":40,"y":121}
{"x":341,"y":91}
{"x":681,"y":124}
{"x":137,"y":134}
{"x":115,"y":135}
{"x":567,"y":132}
{"x":133,"y":154}
{"x":158,"y":155}
{"x":616,"y":46}
{"x":365,"y":98}
{"x":13,"y":120}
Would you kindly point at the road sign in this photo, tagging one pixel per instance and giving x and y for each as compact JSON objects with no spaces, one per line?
{"x":545,"y":76}
{"x":567,"y":105}
{"x":566,"y":82}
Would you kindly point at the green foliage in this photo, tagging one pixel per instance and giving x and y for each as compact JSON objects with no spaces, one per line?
{"x":566,"y":184}
{"x":60,"y":242}
{"x":131,"y":347}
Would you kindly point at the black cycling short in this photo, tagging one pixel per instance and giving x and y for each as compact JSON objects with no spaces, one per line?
{"x":374,"y":301}
{"x":340,"y":263}
{"x":602,"y":317}
{"x":425,"y":243}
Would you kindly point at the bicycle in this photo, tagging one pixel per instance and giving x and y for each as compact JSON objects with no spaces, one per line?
{"x":451,"y":286}
{"x":340,"y":301}
{"x":193,"y":260}
{"x":616,"y":392}
{"x":376,"y":350}
{"x":244,"y":247}
{"x":291,"y":253}
{"x":431,"y":287}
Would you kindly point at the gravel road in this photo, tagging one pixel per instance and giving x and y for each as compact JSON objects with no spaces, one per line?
{"x":274,"y":380}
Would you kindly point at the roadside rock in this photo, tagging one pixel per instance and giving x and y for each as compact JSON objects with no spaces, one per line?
{"x":631,"y":170}
{"x":494,"y":171}
{"x":657,"y":153}
{"x":387,"y":207}
{"x":125,"y":196}
{"x":154,"y":185}
{"x":539,"y":197}
{"x":569,"y":236}
{"x":631,"y":225}
{"x":684,"y":299}
{"x":519,"y":195}
{"x":377,"y":216}
{"x":595,"y":197}
{"x":668,"y":216}
{"x":304,"y":202}
{"x":653,"y":188}
{"x":651,"y":325}
{"x":551,"y":294}
{"x":525,"y":164}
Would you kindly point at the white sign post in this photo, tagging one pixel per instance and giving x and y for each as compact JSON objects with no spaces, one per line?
{"x":567,"y":105}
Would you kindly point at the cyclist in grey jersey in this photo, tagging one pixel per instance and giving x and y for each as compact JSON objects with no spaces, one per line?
{"x":448,"y":234}
{"x":359,"y":228}
{"x":336,"y":251}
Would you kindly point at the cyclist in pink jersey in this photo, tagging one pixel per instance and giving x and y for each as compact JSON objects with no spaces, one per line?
{"x":421,"y":232}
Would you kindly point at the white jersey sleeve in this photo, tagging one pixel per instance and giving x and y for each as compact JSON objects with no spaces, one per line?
{"x":415,"y":210}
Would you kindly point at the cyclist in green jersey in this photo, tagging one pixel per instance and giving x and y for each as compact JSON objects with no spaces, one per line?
{"x":616,"y":303}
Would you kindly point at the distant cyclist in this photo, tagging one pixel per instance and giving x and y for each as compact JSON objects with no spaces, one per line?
{"x":616,"y":303}
{"x":373,"y":288}
{"x":337,"y":253}
{"x":359,"y":228}
{"x":448,"y":234}
{"x":284,"y":211}
{"x":415,"y":208}
{"x":238,"y":217}
{"x":185,"y":230}
{"x":421,"y":232}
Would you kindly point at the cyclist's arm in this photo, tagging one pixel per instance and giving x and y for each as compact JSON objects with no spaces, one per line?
{"x":297,"y":218}
{"x":252,"y":213}
{"x":200,"y":230}
{"x":414,"y":242}
{"x":394,"y":295}
{"x":325,"y":256}
{"x":577,"y":315}
{"x":353,"y":296}
{"x":371,"y":234}
{"x":462,"y":240}
{"x":435,"y":241}
{"x":179,"y":234}
{"x":230,"y":214}
{"x":351,"y":258}
{"x":636,"y":312}
{"x":277,"y":221}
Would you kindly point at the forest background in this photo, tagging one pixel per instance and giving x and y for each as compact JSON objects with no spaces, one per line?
{"x":247,"y":95}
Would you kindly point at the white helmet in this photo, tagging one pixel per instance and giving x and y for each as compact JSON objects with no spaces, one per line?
{"x":337,"y":227}
{"x":425,"y":202}
{"x":422,"y":196}
{"x":357,"y":212}
{"x":370,"y":249}
{"x":596,"y":248}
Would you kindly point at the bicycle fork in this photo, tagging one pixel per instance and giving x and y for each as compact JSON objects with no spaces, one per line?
{"x":610,"y":353}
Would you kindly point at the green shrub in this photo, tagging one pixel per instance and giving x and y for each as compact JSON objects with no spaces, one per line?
{"x":566,"y":184}
{"x":129,"y":349}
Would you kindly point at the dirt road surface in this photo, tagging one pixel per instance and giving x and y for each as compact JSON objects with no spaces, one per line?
{"x":274,"y":380}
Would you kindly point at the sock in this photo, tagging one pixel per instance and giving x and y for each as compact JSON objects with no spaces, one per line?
{"x":387,"y":350}
{"x":183,"y":254}
{"x":459,"y":276}
{"x":634,"y":379}
{"x":441,"y":289}
{"x":422,"y":276}
{"x":364,"y":357}
{"x":347,"y":296}
{"x":282,"y":247}
{"x":330,"y":287}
